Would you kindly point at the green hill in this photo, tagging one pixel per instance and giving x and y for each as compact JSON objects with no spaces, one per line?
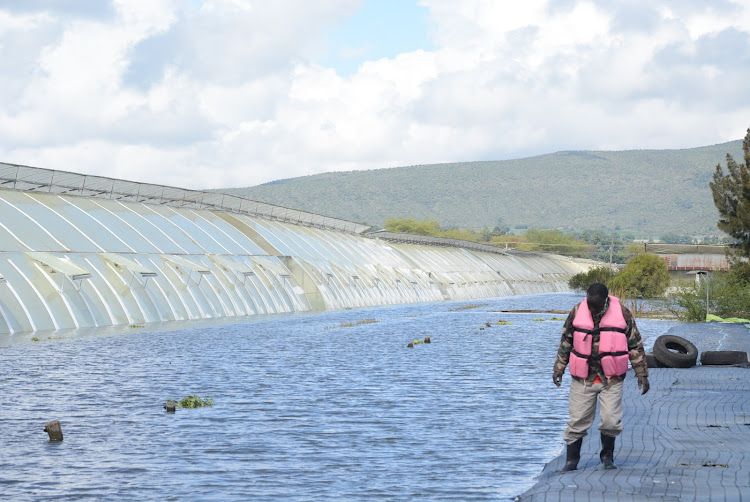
{"x":648,"y":192}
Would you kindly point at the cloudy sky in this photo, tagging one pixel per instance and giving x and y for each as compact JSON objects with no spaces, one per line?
{"x":229,"y":93}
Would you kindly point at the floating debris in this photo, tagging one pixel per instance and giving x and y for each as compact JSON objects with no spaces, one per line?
{"x":357,"y":323}
{"x":417,"y":342}
{"x":469,"y":307}
{"x":54,"y":430}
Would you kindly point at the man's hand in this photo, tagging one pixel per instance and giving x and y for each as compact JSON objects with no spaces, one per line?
{"x":557,"y":378}
{"x":643,"y":384}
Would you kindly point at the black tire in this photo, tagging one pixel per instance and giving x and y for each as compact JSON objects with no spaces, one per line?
{"x":723,"y":357}
{"x":653,"y":362}
{"x":675,"y":352}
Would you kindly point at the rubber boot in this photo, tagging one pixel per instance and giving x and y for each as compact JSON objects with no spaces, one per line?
{"x":608,"y":452}
{"x":573,"y":455}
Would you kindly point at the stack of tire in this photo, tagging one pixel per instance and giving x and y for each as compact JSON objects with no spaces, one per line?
{"x":672,"y":351}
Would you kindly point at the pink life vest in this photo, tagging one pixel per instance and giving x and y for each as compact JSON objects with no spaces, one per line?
{"x":613,"y":344}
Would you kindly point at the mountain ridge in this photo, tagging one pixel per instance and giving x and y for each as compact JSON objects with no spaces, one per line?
{"x":651,"y":192}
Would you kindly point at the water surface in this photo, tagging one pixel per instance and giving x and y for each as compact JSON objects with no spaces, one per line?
{"x":304,"y":408}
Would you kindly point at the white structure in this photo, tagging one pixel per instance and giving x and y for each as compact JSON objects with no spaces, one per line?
{"x":74,"y":256}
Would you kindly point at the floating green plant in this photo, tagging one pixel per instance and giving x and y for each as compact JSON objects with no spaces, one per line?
{"x":539,"y":319}
{"x":136,"y":325}
{"x":195,"y":402}
{"x":417,"y":341}
{"x":34,"y":339}
{"x":557,"y":319}
{"x":504,"y":323}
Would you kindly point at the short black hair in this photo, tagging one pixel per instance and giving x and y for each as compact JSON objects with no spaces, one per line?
{"x":598,"y":290}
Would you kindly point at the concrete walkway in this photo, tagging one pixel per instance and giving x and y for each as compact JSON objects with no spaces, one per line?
{"x":687,"y":439}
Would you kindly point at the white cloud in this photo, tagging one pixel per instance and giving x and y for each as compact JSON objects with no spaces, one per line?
{"x":224,"y":93}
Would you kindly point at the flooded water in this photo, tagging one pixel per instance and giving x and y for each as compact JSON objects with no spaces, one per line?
{"x":305,"y":407}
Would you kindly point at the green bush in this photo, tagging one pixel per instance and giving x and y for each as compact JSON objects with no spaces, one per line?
{"x":728,"y":296}
{"x":583,"y":280}
{"x":645,"y":275}
{"x":690,"y":304}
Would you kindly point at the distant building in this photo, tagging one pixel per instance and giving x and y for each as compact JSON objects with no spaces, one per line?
{"x":683,"y":258}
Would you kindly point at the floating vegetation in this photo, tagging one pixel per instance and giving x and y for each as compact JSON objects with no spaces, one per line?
{"x":34,"y":339}
{"x":503,"y":323}
{"x":417,"y":342}
{"x":539,"y":319}
{"x":195,"y":402}
{"x":469,"y":307}
{"x":557,"y":319}
{"x":357,"y":323}
{"x":136,"y":326}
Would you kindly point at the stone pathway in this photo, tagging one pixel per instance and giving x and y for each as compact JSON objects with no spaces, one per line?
{"x":687,"y":439}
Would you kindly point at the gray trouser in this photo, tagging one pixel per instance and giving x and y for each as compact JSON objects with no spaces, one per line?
{"x":582,"y":403}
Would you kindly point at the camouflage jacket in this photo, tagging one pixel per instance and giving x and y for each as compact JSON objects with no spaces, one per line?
{"x":635,"y":346}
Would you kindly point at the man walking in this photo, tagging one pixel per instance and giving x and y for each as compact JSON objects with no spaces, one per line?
{"x":598,"y":340}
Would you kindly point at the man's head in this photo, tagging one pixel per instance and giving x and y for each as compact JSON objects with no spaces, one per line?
{"x":596,"y":297}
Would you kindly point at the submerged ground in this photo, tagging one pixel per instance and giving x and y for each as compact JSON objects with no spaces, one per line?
{"x":305,"y":406}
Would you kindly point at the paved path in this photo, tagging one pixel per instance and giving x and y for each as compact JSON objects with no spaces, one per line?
{"x":687,"y":439}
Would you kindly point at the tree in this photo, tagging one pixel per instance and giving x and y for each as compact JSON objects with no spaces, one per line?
{"x":583,"y":280}
{"x":731,"y":193}
{"x":644,"y":275}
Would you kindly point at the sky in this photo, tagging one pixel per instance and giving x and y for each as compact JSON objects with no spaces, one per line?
{"x":233,"y":93}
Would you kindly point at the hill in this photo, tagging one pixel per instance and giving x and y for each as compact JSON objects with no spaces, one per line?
{"x":647,"y":192}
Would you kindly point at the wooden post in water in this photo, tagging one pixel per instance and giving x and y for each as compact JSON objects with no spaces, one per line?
{"x":170,"y":406}
{"x":54,"y":430}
